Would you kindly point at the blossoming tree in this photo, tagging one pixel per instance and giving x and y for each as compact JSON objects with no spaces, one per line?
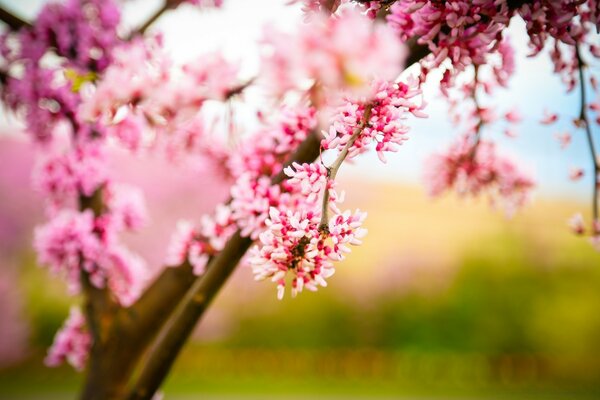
{"x":335,"y":89}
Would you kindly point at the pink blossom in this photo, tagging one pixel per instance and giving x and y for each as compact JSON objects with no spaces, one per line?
{"x":464,"y":32}
{"x":577,"y":224}
{"x":389,"y":105}
{"x":187,"y":246}
{"x":125,"y":82}
{"x":83,"y":31}
{"x":575,"y":173}
{"x":72,"y":243}
{"x":511,"y":133}
{"x":293,"y":244}
{"x":311,"y":178}
{"x":345,"y":52}
{"x":72,"y":342}
{"x":264,"y":152}
{"x":251,"y":201}
{"x":68,"y":245}
{"x":127,"y":274}
{"x":549,"y":118}
{"x":564,"y":139}
{"x":472,"y":168}
{"x":196,"y":245}
{"x":62,"y":176}
{"x":126,"y":206}
{"x":513,"y":116}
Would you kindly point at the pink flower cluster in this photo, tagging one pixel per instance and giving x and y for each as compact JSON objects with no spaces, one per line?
{"x":466,"y":32}
{"x":75,"y":242}
{"x":470,"y":32}
{"x":557,"y":19}
{"x":251,"y":200}
{"x":472,"y":168}
{"x":265,"y":152}
{"x":341,"y":53}
{"x":294,"y":245}
{"x":196,"y":245}
{"x":577,"y":226}
{"x":143,"y":79}
{"x":81,"y":31}
{"x":63,"y":176}
{"x":42,"y":97}
{"x":389,"y":106}
{"x":72,"y":342}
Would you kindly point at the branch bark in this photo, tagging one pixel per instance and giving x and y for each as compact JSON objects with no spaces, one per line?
{"x":13,"y":21}
{"x":167,"y":5}
{"x":586,"y":125}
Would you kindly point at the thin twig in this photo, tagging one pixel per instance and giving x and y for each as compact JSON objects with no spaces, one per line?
{"x":334,"y":168}
{"x":157,"y":14}
{"x":13,"y":21}
{"x":584,"y":120}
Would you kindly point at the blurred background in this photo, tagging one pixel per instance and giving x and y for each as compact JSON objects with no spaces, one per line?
{"x":446,"y":298}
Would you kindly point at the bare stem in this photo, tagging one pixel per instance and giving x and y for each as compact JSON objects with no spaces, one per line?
{"x":194,"y":300}
{"x":333,"y":170}
{"x":167,"y":5}
{"x":13,"y":21}
{"x":584,"y":120}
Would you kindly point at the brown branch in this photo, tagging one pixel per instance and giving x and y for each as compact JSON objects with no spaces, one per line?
{"x":181,"y":325}
{"x":167,"y":5}
{"x":586,"y":125}
{"x":199,"y":296}
{"x":13,"y":21}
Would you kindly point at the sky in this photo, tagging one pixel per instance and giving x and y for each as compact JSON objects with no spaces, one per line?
{"x":235,"y":29}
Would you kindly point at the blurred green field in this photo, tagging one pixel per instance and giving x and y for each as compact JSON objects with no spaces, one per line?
{"x":445,"y":300}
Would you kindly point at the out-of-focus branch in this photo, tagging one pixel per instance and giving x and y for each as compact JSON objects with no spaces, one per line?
{"x":106,"y":377}
{"x":583,"y":120}
{"x":13,"y":21}
{"x":201,"y":293}
{"x":167,"y":5}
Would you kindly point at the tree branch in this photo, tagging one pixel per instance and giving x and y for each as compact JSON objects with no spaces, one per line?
{"x":167,"y":5}
{"x":199,"y":296}
{"x":12,"y":21}
{"x":586,"y":125}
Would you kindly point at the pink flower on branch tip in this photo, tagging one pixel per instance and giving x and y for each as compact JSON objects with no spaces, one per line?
{"x":73,"y":242}
{"x":513,"y":116}
{"x":473,"y":167}
{"x":265,"y":152}
{"x":126,"y":206}
{"x":388,"y":106}
{"x":62,"y":176}
{"x":196,"y":244}
{"x":564,"y":139}
{"x":342,"y":53}
{"x":72,"y":342}
{"x":294,"y":251}
{"x":549,"y":118}
{"x":577,"y":224}
{"x":576,"y":173}
{"x":466,"y":33}
{"x":311,"y":178}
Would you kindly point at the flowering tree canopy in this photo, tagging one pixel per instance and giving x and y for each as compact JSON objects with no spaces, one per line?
{"x":335,"y":89}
